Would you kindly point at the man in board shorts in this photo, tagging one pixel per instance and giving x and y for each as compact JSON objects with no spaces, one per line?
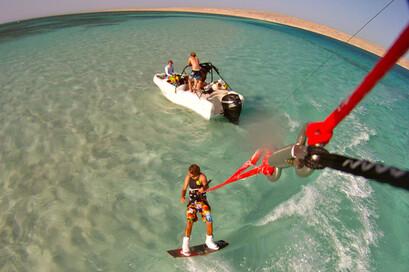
{"x":196,"y":73}
{"x":197,"y":183}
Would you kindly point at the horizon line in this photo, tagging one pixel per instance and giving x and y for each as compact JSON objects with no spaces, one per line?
{"x":271,"y":17}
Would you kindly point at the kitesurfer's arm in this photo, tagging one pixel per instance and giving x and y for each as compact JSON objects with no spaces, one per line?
{"x":203,"y":180}
{"x":185,"y":184}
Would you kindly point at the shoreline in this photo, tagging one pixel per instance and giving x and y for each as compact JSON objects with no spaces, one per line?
{"x":283,"y":20}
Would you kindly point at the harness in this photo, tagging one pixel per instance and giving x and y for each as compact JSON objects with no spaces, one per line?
{"x":194,"y":187}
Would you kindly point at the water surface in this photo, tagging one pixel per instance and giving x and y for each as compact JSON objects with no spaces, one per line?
{"x":92,"y":156}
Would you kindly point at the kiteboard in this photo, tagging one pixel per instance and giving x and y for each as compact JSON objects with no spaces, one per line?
{"x":199,"y":250}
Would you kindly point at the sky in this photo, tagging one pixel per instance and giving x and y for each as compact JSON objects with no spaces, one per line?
{"x":344,"y":15}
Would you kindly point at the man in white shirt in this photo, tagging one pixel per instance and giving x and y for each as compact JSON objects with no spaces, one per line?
{"x":169,"y":71}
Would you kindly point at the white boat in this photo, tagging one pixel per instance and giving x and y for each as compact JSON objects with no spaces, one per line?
{"x":216,"y":99}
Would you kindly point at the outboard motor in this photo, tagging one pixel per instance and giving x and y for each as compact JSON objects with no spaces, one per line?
{"x":232,"y":107}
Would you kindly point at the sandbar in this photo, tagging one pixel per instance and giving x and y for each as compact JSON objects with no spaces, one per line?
{"x":284,"y":20}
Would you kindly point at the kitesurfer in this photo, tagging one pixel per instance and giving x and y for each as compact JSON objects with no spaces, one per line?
{"x":198,"y":184}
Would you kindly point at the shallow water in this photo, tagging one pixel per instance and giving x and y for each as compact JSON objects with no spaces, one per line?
{"x":92,"y":156}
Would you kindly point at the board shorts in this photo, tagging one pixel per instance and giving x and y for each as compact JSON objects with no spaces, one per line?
{"x":196,"y":75}
{"x":198,"y":206}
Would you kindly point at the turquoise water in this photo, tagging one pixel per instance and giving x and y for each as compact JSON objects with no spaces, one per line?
{"x":92,"y":156}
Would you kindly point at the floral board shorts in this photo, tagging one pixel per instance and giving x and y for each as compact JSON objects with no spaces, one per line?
{"x":198,"y":206}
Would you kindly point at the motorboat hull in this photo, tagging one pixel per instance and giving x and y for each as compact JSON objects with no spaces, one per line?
{"x":207,"y":105}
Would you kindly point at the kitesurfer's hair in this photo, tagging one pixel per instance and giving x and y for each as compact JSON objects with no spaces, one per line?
{"x":193,"y":54}
{"x":194,"y":169}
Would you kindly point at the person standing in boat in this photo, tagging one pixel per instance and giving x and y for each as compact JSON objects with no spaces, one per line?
{"x":196,"y":74}
{"x":197,"y":183}
{"x":169,"y":70}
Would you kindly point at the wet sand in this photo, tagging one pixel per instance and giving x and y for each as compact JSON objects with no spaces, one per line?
{"x":285,"y":20}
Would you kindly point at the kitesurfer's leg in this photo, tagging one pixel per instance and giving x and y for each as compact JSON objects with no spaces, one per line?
{"x":209,"y":228}
{"x":186,"y":239}
{"x":209,"y":237}
{"x":189,"y":226}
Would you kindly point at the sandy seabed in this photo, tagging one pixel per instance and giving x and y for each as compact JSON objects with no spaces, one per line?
{"x":285,"y":20}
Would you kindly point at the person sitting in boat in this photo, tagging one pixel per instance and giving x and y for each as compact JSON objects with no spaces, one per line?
{"x":196,"y":74}
{"x":169,"y":71}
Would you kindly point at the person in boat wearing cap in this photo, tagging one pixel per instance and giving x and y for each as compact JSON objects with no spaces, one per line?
{"x":197,"y":183}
